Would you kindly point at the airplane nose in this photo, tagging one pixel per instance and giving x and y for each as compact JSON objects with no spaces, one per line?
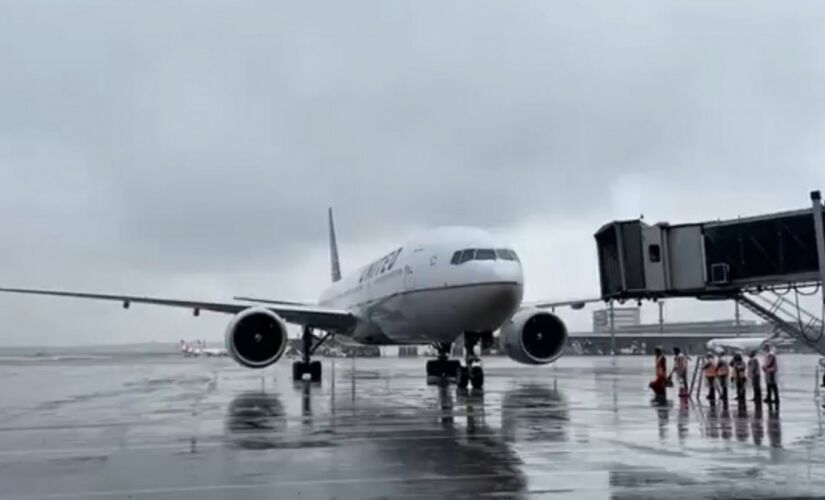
{"x":495,"y":304}
{"x":506,"y":297}
{"x":507,"y":272}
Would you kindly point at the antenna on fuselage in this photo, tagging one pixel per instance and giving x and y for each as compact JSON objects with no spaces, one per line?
{"x":333,"y":250}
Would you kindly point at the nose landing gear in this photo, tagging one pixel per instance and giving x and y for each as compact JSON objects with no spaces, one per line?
{"x":472,"y":372}
{"x":442,"y":368}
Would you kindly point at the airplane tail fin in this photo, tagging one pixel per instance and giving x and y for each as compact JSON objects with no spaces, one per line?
{"x":333,"y":250}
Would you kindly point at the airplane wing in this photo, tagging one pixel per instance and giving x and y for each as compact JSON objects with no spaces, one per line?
{"x":269,"y":301}
{"x":325,"y":318}
{"x":573,"y":304}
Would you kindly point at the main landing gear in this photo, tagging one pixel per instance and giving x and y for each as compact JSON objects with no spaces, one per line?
{"x":471,"y":373}
{"x":306,"y":366}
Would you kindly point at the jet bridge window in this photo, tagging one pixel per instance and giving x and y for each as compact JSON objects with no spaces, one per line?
{"x":655,"y":253}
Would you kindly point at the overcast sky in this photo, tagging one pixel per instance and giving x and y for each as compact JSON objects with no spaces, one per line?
{"x":190,"y":149}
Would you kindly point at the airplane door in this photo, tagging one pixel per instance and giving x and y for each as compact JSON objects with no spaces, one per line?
{"x":409,"y":276}
{"x":411,"y":267}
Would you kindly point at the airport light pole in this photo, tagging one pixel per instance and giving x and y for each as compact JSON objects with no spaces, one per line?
{"x":737,"y":316}
{"x":661,"y":317}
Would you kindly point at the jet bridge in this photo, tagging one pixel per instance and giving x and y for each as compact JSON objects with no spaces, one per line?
{"x":754,"y":260}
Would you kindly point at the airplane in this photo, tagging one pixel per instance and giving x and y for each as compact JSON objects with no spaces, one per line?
{"x":201,"y":350}
{"x":186,"y":349}
{"x":743,"y":345}
{"x":447,"y":283}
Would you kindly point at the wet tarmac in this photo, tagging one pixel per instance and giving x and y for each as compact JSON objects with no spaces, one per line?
{"x":206,"y":429}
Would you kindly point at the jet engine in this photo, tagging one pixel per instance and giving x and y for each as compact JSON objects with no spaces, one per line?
{"x":256,"y":337}
{"x":533,"y":337}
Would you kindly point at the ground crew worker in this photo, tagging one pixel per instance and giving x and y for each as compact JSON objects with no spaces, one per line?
{"x":770,"y":367}
{"x":722,"y":377}
{"x":680,"y":368}
{"x":756,"y":376}
{"x":822,"y":367}
{"x":658,"y":385}
{"x":738,"y":368}
{"x":709,"y":368}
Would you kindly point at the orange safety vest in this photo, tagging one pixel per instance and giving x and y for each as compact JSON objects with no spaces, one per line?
{"x":770,"y":363}
{"x":722,"y":368}
{"x":753,"y":367}
{"x":681,"y":364}
{"x":710,"y":369}
{"x":661,"y":367}
{"x":739,"y":369}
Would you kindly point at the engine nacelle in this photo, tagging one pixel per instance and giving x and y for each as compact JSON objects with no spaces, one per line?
{"x":533,"y":337}
{"x":256,"y":337}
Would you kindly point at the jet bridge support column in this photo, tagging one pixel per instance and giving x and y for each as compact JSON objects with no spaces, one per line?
{"x":612,"y":331}
{"x":820,"y":237}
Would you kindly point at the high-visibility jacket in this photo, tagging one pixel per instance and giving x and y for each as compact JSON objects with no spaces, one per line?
{"x":770,"y":365}
{"x":738,"y":369}
{"x":661,"y":367}
{"x":722,"y":368}
{"x":753,"y":367}
{"x":710,"y":368}
{"x":681,"y":364}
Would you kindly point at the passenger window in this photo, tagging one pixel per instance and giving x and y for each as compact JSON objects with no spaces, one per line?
{"x":654,"y":252}
{"x":455,"y":258}
{"x":466,"y":255}
{"x":485,"y":254}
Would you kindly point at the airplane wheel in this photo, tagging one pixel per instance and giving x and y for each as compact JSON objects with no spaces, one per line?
{"x":442,"y":368}
{"x":477,"y":377}
{"x":297,"y":370}
{"x":432,"y":368}
{"x":315,"y":371}
{"x":452,"y":368}
{"x":462,"y":377}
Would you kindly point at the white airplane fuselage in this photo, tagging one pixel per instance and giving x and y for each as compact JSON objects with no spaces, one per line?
{"x":737,"y":344}
{"x":418,"y":293}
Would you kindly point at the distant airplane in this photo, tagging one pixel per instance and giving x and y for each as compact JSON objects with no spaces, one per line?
{"x":448,"y":282}
{"x":200,"y":349}
{"x":743,"y":345}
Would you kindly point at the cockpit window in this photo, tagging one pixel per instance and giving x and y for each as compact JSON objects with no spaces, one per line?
{"x":462,"y":256}
{"x":485,"y":254}
{"x":506,"y":254}
{"x":465,"y":256}
{"x":455,"y":258}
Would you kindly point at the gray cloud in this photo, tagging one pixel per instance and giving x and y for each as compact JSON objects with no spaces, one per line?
{"x":149,"y":144}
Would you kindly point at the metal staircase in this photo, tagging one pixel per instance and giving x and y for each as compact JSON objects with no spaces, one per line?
{"x":787,"y":316}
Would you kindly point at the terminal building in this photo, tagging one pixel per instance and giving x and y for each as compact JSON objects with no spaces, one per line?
{"x":631,"y":336}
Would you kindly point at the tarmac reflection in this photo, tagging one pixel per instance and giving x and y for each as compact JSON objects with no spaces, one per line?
{"x":742,"y":423}
{"x":255,"y":420}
